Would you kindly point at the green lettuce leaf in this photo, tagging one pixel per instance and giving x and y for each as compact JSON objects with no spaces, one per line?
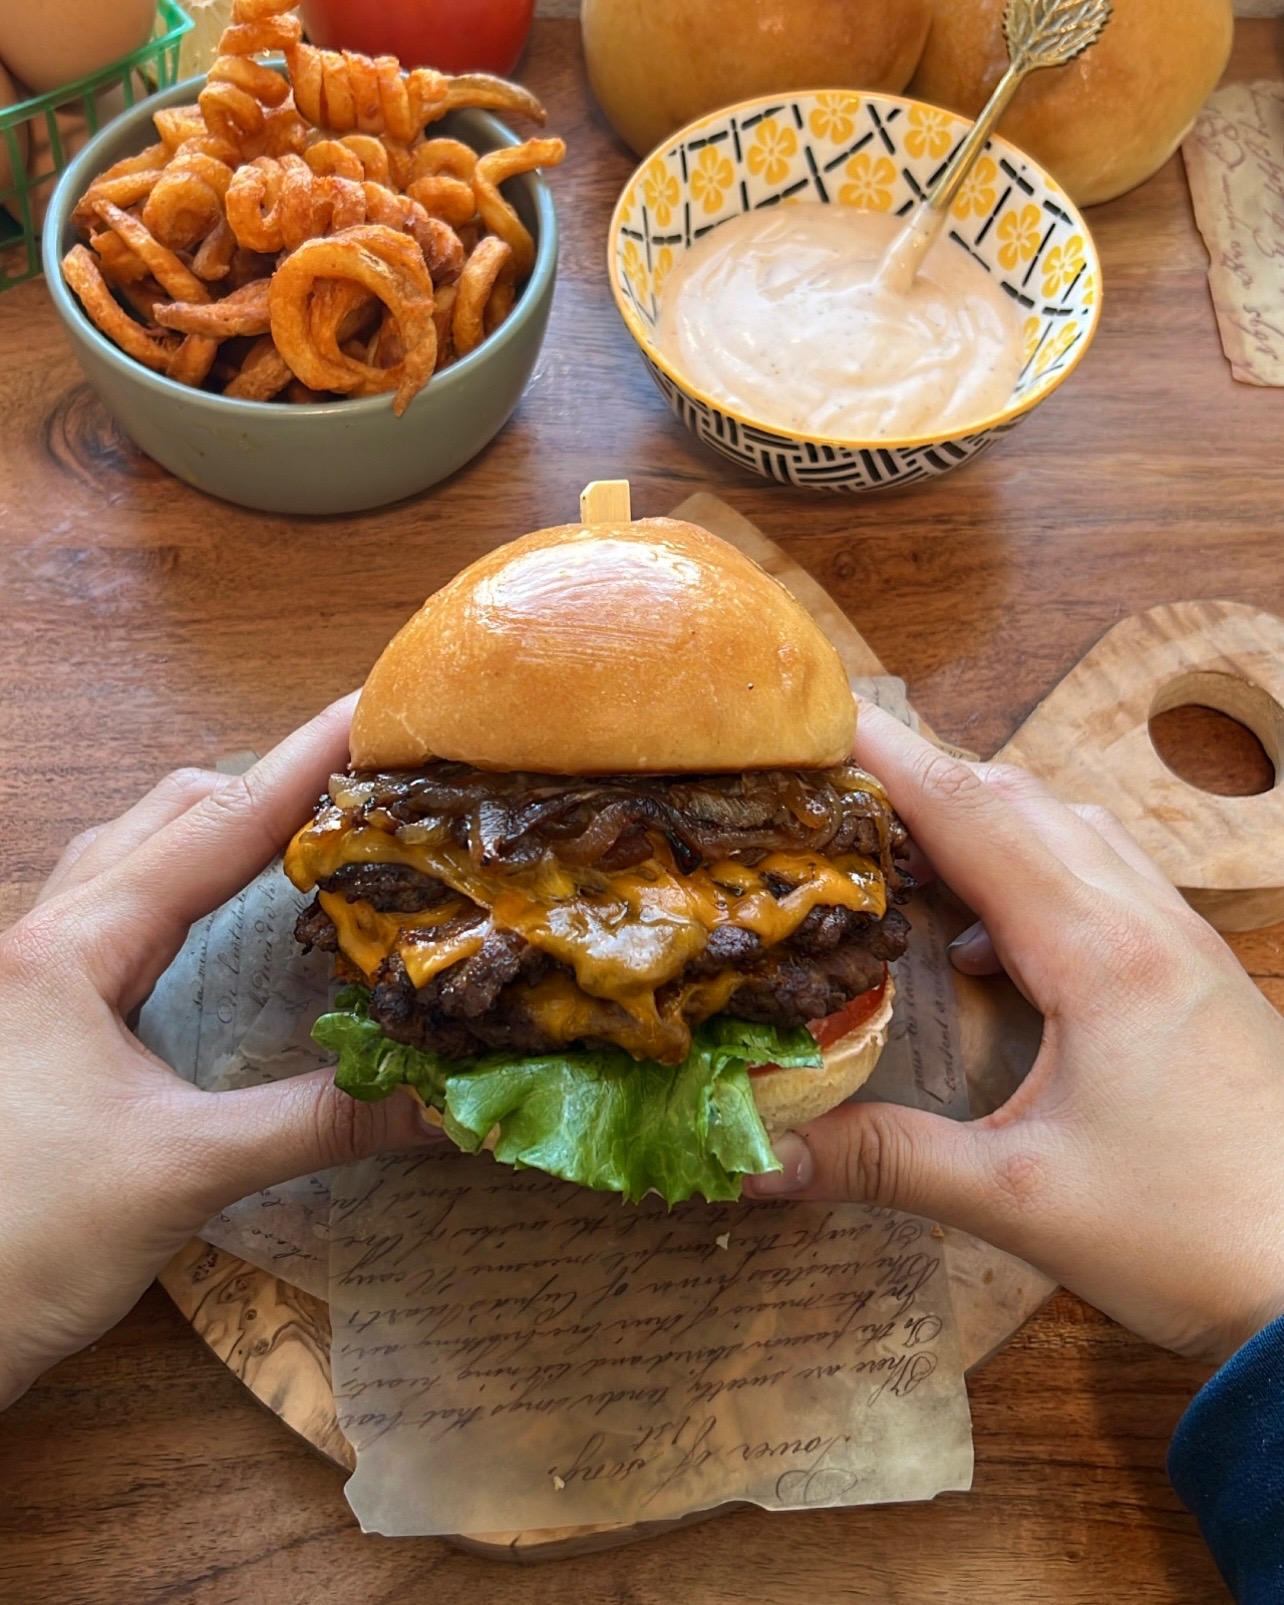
{"x":599,"y":1118}
{"x":371,"y":1066}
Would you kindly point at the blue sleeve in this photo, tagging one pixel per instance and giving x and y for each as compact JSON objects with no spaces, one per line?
{"x":1226,"y":1462}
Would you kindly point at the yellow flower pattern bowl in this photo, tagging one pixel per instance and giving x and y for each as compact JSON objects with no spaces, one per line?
{"x":881,"y":153}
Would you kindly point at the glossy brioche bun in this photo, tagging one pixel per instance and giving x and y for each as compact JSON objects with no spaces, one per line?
{"x":789,"y":1098}
{"x":645,"y":647}
{"x":1104,"y":123}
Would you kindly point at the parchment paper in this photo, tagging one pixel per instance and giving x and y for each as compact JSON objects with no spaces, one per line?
{"x":1235,"y":166}
{"x":235,"y":1009}
{"x":513,"y":1353}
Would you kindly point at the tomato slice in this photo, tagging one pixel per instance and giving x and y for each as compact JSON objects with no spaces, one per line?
{"x":854,"y":1014}
{"x":836,"y":1026}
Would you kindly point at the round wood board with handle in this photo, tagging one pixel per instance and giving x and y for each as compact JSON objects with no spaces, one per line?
{"x":1089,"y":740}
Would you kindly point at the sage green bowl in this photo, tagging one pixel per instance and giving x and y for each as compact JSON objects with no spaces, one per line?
{"x":336,"y":456}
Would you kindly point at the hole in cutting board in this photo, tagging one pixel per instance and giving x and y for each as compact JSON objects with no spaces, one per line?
{"x":1219,"y":733}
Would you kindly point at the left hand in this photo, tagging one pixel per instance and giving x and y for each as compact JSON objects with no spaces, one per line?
{"x":109,"y":1161}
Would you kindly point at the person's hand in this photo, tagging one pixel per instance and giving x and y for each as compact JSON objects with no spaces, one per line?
{"x":109,"y":1162}
{"x":1142,"y":1161}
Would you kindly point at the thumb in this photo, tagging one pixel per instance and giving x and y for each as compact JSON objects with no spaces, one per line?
{"x":257,"y":1136}
{"x":880,"y":1153}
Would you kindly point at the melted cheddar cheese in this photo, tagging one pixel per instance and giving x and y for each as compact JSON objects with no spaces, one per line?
{"x":622,"y":934}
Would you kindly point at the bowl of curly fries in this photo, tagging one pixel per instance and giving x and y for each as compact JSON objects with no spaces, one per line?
{"x":313,"y":283}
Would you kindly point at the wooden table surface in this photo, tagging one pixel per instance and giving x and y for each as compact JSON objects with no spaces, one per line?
{"x":145,"y":626}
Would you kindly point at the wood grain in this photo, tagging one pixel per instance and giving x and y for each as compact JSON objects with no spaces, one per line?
{"x":145,"y":626}
{"x":1090,"y":739}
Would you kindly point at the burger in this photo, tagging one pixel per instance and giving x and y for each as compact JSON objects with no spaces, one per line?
{"x":603,"y":885}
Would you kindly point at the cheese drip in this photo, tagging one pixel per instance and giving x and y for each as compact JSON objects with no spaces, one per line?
{"x":623,"y":934}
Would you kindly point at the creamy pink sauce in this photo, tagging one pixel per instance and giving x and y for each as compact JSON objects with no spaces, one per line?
{"x":780,"y":315}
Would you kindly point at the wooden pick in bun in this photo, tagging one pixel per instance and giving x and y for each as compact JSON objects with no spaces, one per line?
{"x":601,"y":858}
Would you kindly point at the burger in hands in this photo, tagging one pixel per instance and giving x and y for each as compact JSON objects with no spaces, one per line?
{"x":604,"y":886}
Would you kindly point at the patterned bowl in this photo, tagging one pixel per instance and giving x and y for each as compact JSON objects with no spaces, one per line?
{"x":878,"y":152}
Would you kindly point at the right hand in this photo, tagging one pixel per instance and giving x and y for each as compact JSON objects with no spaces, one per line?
{"x":1141,"y":1163}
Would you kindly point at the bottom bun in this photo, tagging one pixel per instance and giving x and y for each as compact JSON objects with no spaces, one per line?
{"x":788,"y":1098}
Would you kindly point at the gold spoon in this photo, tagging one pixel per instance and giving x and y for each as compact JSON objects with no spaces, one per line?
{"x":1040,"y":33}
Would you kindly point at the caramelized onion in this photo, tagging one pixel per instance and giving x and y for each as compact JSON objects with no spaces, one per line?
{"x":515,"y":818}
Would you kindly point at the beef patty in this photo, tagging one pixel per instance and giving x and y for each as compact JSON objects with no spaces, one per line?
{"x":476,"y":1005}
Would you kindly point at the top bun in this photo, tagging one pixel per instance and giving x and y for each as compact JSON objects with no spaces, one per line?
{"x":646,"y":647}
{"x":1109,"y":119}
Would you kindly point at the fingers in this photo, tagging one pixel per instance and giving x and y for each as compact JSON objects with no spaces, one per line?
{"x":97,"y":849}
{"x":257,"y":1136}
{"x":1089,"y":839}
{"x":978,"y":843}
{"x":1108,"y":826}
{"x":972,"y":952}
{"x":132,"y":918}
{"x":883,"y":1154}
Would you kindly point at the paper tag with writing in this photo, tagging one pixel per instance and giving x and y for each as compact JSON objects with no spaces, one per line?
{"x":1235,"y":166}
{"x":511,"y":1352}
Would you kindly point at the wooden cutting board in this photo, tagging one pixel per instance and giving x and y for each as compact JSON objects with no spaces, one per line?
{"x":1089,"y":740}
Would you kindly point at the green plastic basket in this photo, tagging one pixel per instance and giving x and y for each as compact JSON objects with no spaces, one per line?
{"x":154,"y":66}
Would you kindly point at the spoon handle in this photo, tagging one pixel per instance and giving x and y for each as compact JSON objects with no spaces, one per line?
{"x":1040,"y":33}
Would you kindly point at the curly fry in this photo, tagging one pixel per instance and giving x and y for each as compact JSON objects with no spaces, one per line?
{"x":345,"y":92}
{"x":263,"y":374}
{"x":116,"y":261}
{"x":341,"y":310}
{"x":245,"y":311}
{"x":443,"y":316}
{"x":397,"y":152}
{"x":126,"y":183}
{"x":332,"y":158}
{"x":186,"y":202}
{"x":386,"y":347}
{"x":400,"y":251}
{"x":483,"y":90}
{"x":177,"y":124}
{"x":143,"y":297}
{"x":239,"y":90}
{"x":441,"y":180}
{"x":481,"y":271}
{"x":275,"y":205}
{"x":191,"y":363}
{"x":439,"y":243}
{"x":247,"y":265}
{"x":388,"y":265}
{"x":107,"y":315}
{"x":215,"y":254}
{"x":181,"y":284}
{"x":361,"y":157}
{"x":498,"y":216}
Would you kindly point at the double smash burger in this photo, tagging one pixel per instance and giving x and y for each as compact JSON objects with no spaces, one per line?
{"x":604,"y":886}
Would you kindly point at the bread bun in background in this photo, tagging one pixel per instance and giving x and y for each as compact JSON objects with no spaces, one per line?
{"x":655,"y":65}
{"x":1107,"y":121}
{"x":644,"y":647}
